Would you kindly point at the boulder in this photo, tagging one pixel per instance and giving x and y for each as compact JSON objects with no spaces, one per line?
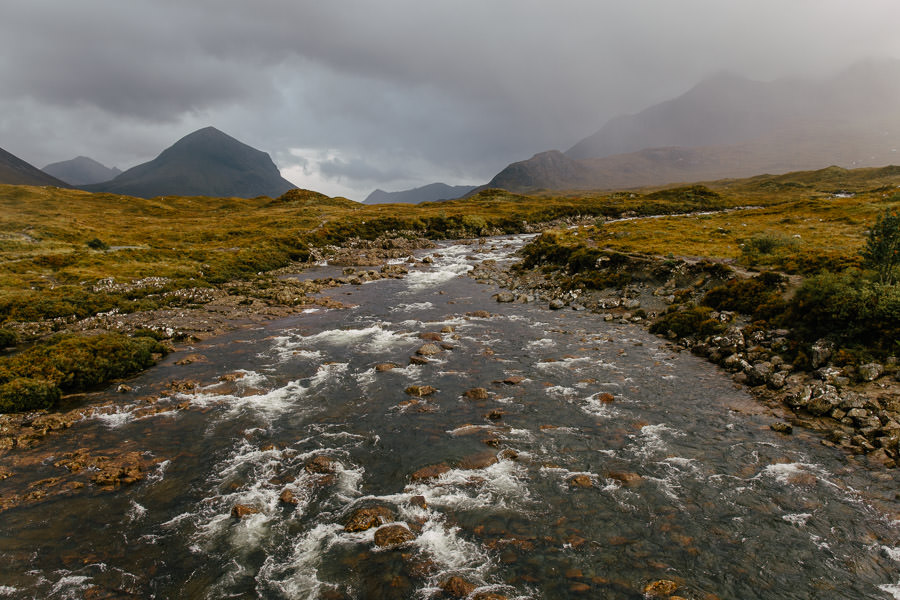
{"x":239,"y":511}
{"x":288,"y":497}
{"x":428,"y":350}
{"x":821,"y":352}
{"x":781,"y":427}
{"x":366,"y":518}
{"x":321,"y":464}
{"x":393,"y":535}
{"x":870,"y":371}
{"x":505,"y":297}
{"x":430,"y":472}
{"x":478,"y":393}
{"x":627,"y":480}
{"x":420,"y":390}
{"x":457,"y":587}
{"x":557,"y":304}
{"x":581,"y":481}
{"x":662,"y":588}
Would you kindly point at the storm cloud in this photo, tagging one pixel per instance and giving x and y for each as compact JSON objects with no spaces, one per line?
{"x":352,"y":95}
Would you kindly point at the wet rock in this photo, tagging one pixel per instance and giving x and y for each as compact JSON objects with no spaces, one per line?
{"x":478,"y":393}
{"x":230,"y":377}
{"x":288,"y":497}
{"x":418,"y":360}
{"x":322,"y":465}
{"x":431,"y":336}
{"x":430,"y":472}
{"x":495,"y":415}
{"x":457,"y":587}
{"x":505,"y":297}
{"x":239,"y":511}
{"x":382,"y":367}
{"x":393,"y":535}
{"x":821,"y":352}
{"x":581,"y":481}
{"x":479,"y":314}
{"x":420,"y":390}
{"x":776,"y":381}
{"x":782,"y":427}
{"x":447,"y":329}
{"x":489,"y":596}
{"x":418,"y":501}
{"x":478,"y":461}
{"x":366,"y":518}
{"x":557,"y":304}
{"x":428,"y":350}
{"x":661,"y":588}
{"x":606,"y":398}
{"x":123,"y":389}
{"x":627,"y":479}
{"x":870,"y":371}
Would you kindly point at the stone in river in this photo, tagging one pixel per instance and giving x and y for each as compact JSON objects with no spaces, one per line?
{"x":381,"y":367}
{"x":505,"y":297}
{"x":239,"y":511}
{"x":321,"y":464}
{"x":478,"y":461}
{"x":780,"y":427}
{"x":430,"y":472}
{"x":625,"y":478}
{"x":366,"y":518}
{"x":582,"y":481}
{"x":393,"y":535}
{"x":457,"y":587}
{"x":420,"y":390}
{"x":662,"y":588}
{"x":431,"y":336}
{"x":478,"y":393}
{"x":428,"y":350}
{"x":287,"y":497}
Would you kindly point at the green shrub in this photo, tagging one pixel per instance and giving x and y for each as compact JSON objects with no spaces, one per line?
{"x":688,"y":321}
{"x":8,"y":338}
{"x":97,"y":244}
{"x":73,"y":364}
{"x":24,"y":394}
{"x":758,"y":296}
{"x":882,"y":250}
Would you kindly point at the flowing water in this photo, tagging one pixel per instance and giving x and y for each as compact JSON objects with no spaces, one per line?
{"x":599,"y":462}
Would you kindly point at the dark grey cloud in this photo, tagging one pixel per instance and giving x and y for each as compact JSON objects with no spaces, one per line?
{"x":391,"y":93}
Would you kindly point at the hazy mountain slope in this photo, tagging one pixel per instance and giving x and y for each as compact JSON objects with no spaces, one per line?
{"x":204,"y":163}
{"x":81,"y":171}
{"x":732,"y":127}
{"x":427,"y":193}
{"x":15,"y":171}
{"x":727,"y":109}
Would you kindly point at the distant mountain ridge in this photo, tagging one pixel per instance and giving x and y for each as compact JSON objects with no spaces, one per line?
{"x":15,"y":171}
{"x":81,"y":170}
{"x":729,"y":126}
{"x":433,"y":192}
{"x":206,"y":162}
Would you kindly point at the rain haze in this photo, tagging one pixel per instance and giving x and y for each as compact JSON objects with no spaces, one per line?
{"x":352,"y":96}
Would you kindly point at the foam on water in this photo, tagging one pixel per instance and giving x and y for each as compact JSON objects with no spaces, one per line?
{"x":496,"y":487}
{"x":651,"y":441}
{"x":893,"y":590}
{"x":6,"y":590}
{"x":374,"y":339}
{"x":415,"y":306}
{"x":298,"y":576}
{"x":798,"y":519}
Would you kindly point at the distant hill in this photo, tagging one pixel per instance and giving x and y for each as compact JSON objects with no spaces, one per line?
{"x":427,"y":193}
{"x":81,"y":171}
{"x":204,"y":163}
{"x":15,"y":171}
{"x":728,"y":126}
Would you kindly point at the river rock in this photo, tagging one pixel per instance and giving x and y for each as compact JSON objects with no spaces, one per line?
{"x":431,"y":336}
{"x":821,"y":352}
{"x":661,"y":588}
{"x":428,"y":350}
{"x":505,"y":297}
{"x":420,"y":390}
{"x":478,"y":461}
{"x":418,"y":501}
{"x":627,"y":480}
{"x":430,"y":472}
{"x":393,"y":535}
{"x":457,"y":587}
{"x":382,"y":367}
{"x":557,"y":304}
{"x":581,"y":481}
{"x":870,"y":371}
{"x":366,"y":518}
{"x":288,"y":497}
{"x":478,"y":393}
{"x":782,"y":427}
{"x":239,"y":511}
{"x":321,"y":464}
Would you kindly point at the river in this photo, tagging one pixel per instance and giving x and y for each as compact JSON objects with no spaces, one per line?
{"x":589,"y":462}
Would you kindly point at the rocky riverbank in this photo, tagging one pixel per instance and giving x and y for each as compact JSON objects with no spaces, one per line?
{"x":857,"y":407}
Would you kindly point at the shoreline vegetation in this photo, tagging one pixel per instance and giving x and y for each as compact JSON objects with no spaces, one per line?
{"x":768,"y":277}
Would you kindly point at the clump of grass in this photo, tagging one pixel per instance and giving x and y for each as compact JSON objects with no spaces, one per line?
{"x":38,"y":376}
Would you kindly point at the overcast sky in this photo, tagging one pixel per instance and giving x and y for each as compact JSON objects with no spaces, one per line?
{"x":350,"y":95}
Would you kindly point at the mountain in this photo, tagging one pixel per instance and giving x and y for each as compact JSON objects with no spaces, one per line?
{"x":206,"y":162}
{"x":729,"y":126}
{"x":81,"y":171}
{"x":433,"y":192}
{"x":15,"y":171}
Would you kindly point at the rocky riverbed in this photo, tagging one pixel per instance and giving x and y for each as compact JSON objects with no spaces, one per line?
{"x":857,"y":406}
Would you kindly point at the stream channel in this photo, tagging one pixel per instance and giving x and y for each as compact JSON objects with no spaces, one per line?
{"x":599,"y":462}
